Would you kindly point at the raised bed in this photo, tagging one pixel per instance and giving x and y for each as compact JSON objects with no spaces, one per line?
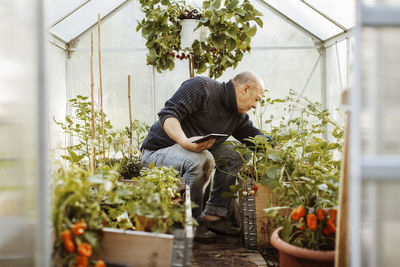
{"x":137,"y":248}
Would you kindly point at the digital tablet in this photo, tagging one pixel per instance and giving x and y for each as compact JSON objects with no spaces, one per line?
{"x":208,"y":136}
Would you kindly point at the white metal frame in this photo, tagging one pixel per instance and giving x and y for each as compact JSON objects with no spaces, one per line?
{"x":375,"y":167}
{"x":43,"y":245}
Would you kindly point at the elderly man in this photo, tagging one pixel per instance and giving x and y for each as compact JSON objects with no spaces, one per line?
{"x":199,"y":107}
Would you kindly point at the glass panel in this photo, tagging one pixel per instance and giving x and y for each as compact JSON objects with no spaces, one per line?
{"x":342,"y":11}
{"x":84,"y":18}
{"x":306,"y":17}
{"x":380,"y":117}
{"x":18,"y":131}
{"x":380,"y":232}
{"x":61,"y":8}
{"x":392,"y":2}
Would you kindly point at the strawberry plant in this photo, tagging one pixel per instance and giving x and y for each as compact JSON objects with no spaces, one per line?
{"x":231,"y":26}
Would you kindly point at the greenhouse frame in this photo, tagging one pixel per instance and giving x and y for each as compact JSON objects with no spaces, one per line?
{"x":320,"y":50}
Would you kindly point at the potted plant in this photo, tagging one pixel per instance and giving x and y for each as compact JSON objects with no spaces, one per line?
{"x":298,"y":167}
{"x":231,"y":28}
{"x":307,"y":238}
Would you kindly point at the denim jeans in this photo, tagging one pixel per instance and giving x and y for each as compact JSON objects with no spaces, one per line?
{"x":196,"y":169}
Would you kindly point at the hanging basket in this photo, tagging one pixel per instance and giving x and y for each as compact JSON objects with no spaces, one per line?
{"x":188,"y":34}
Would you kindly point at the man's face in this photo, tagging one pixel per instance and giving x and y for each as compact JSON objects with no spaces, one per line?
{"x":248,"y":97}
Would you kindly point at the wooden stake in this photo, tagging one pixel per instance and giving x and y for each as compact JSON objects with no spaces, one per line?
{"x":93,"y":114}
{"x":342,"y":233}
{"x":101,"y":95}
{"x":130,"y":109}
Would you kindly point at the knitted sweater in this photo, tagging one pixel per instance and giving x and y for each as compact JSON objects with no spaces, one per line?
{"x":202,"y":106}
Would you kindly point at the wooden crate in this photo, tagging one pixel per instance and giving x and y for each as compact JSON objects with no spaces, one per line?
{"x":137,"y":248}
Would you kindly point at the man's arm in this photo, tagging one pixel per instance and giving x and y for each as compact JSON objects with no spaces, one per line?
{"x":174,"y":130}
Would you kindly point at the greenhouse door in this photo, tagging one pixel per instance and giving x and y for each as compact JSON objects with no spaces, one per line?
{"x":375,"y":137}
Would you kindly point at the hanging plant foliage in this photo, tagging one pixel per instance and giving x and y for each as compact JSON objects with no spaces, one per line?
{"x":231,"y":26}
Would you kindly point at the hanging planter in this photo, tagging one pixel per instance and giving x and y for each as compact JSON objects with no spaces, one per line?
{"x":223,"y":48}
{"x":189,"y":34}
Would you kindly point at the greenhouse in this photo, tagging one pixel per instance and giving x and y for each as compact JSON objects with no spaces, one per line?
{"x":199,"y":133}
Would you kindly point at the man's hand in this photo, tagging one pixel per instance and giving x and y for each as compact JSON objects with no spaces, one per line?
{"x":197,"y":147}
{"x":174,"y":130}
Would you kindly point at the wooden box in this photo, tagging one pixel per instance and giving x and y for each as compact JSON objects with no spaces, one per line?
{"x":137,"y":248}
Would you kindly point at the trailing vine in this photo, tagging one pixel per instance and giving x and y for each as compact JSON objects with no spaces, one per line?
{"x":231,"y":28}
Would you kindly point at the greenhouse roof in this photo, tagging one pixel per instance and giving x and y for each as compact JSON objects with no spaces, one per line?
{"x":318,"y":18}
{"x":78,"y":17}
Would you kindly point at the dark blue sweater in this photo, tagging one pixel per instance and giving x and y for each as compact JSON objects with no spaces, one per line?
{"x":202,"y":106}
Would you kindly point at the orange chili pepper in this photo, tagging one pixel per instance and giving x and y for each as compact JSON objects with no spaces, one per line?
{"x":69,"y":246}
{"x":331,"y":226}
{"x":79,"y":228}
{"x":326,"y":230}
{"x":66,"y":235}
{"x":321,"y":213}
{"x":81,"y":261}
{"x":298,"y":213}
{"x":85,"y":249}
{"x":332,"y":215}
{"x":100,"y":263}
{"x":311,"y":221}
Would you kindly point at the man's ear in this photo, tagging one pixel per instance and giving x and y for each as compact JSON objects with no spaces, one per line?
{"x":245,"y":88}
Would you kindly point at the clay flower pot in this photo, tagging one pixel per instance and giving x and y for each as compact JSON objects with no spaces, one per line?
{"x":292,"y":256}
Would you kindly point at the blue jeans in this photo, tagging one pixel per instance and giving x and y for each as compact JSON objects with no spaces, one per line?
{"x":196,"y":169}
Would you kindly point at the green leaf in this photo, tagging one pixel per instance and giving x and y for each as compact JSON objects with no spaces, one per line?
{"x":219,"y":42}
{"x":232,"y":5}
{"x":259,"y":22}
{"x":206,"y":4}
{"x":273,"y":211}
{"x":74,"y":157}
{"x":251,"y":31}
{"x":231,"y":44}
{"x":273,"y":172}
{"x":286,"y":231}
{"x":216,"y":4}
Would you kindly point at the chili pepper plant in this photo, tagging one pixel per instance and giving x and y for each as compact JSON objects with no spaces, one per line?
{"x":83,"y":204}
{"x":301,"y":163}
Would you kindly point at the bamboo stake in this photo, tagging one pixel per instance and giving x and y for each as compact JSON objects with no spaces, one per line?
{"x":101,"y":95}
{"x":130,"y":109}
{"x":92,"y":95}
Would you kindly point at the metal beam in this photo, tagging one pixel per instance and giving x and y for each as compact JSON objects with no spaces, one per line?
{"x":290,"y":21}
{"x":338,"y":38}
{"x":380,"y":168}
{"x":380,"y":15}
{"x":325,"y":16}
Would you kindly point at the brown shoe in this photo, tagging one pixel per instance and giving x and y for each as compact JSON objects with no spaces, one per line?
{"x":203,"y":235}
{"x":222,"y":226}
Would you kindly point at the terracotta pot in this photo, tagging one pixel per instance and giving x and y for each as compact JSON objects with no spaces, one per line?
{"x":292,"y":256}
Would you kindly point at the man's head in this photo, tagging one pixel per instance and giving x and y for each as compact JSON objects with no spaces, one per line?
{"x":249,"y":89}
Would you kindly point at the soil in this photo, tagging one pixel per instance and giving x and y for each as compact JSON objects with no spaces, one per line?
{"x":229,"y":251}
